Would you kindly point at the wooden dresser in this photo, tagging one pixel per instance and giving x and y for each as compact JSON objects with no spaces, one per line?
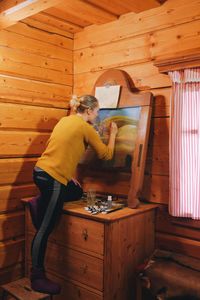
{"x":95,"y":257}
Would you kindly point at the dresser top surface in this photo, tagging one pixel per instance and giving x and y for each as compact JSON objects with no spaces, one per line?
{"x":77,"y":208}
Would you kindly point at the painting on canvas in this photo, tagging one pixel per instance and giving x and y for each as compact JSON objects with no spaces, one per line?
{"x":127,"y":120}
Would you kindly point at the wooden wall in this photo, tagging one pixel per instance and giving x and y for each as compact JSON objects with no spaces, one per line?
{"x":133,"y":43}
{"x":36,"y":82}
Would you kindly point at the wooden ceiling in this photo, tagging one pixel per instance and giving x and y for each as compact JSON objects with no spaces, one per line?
{"x":71,"y":15}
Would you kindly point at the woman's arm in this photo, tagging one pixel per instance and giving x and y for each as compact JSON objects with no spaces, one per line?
{"x":112,"y":137}
{"x":103,"y":151}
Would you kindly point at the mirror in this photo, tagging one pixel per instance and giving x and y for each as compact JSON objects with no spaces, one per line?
{"x":123,"y":175}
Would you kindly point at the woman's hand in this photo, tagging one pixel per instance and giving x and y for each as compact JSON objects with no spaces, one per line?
{"x":113,"y":128}
{"x":76,"y":182}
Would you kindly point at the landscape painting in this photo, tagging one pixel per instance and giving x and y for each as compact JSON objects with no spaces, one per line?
{"x":127,"y":120}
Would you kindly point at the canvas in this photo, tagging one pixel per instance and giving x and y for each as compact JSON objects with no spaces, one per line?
{"x":127,"y":120}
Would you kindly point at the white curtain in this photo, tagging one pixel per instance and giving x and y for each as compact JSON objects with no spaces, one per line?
{"x":185,"y":144}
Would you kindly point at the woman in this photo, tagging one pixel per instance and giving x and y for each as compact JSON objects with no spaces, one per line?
{"x":53,"y":174}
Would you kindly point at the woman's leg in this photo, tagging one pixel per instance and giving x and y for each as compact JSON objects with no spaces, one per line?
{"x":34,"y":204}
{"x":51,"y":203}
{"x":53,"y":194}
{"x":49,"y":214}
{"x":37,"y":207}
{"x":53,"y":211}
{"x":73,"y":191}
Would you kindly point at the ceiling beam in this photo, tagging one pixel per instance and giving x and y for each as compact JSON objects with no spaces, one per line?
{"x":12,"y":11}
{"x":138,"y":6}
{"x":126,"y":6}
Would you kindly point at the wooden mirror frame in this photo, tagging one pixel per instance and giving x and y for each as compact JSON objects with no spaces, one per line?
{"x":123,"y":183}
{"x":129,"y":98}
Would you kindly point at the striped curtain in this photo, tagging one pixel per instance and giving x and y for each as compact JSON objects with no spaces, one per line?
{"x":185,"y":144}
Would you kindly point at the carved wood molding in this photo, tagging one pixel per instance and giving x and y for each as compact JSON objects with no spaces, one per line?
{"x":178,"y":63}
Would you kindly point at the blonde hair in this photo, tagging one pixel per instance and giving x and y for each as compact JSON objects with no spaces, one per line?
{"x":80,"y":104}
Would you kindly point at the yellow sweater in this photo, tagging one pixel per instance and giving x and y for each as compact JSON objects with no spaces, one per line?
{"x":67,"y":145}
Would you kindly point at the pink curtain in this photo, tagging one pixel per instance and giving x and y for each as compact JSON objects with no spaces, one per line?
{"x":185,"y":144}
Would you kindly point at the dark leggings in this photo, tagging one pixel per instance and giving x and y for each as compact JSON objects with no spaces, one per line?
{"x":50,"y":204}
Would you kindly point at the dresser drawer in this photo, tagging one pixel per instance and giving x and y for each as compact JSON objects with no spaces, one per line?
{"x":72,"y":291}
{"x":77,"y":233}
{"x":72,"y":264}
{"x":80,"y":233}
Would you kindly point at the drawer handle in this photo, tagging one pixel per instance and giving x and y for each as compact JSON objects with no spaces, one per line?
{"x":85,"y":234}
{"x":84,"y":268}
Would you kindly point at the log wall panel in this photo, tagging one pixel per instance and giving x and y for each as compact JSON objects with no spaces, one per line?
{"x":11,"y":252}
{"x":132,"y":43}
{"x":178,"y":244}
{"x":16,"y":170}
{"x":172,"y":42}
{"x":177,"y":234}
{"x":105,"y":182}
{"x":133,"y":50}
{"x":139,"y":49}
{"x":171,"y":13}
{"x":30,"y":45}
{"x":157,"y":162}
{"x":25,"y":68}
{"x":36,"y":84}
{"x":156,"y":188}
{"x":11,"y":195}
{"x":28,"y":57}
{"x":161,"y":104}
{"x":22,"y":90}
{"x":34,"y":63}
{"x":159,"y":132}
{"x":26,"y":28}
{"x":11,"y":225}
{"x":29,"y":117}
{"x":22,"y":144}
{"x":166,"y":224}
